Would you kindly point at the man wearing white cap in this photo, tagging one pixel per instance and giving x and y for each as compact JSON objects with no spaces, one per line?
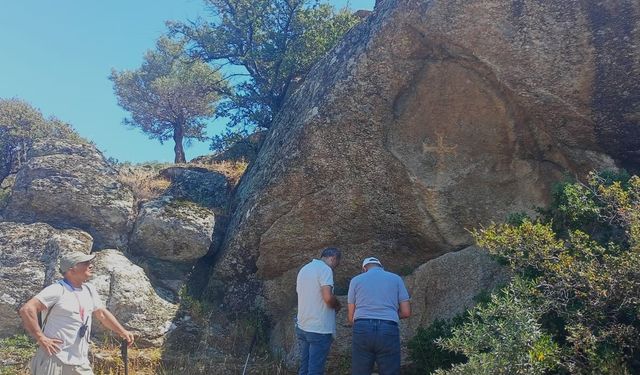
{"x":377,"y":300}
{"x":70,"y":303}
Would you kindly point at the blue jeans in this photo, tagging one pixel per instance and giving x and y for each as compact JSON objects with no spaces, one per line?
{"x":314,"y":348}
{"x":375,"y":341}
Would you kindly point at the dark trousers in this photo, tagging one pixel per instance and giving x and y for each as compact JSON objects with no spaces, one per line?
{"x":375,"y":341}
{"x":314,"y":348}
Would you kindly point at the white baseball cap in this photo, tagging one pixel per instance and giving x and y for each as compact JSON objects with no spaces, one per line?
{"x":371,"y":260}
{"x":70,"y":259}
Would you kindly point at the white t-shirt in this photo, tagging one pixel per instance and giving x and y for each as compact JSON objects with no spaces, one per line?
{"x":313,"y":313}
{"x":64,"y":319}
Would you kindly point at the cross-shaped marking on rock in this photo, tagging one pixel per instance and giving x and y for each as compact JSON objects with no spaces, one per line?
{"x":440,"y":149}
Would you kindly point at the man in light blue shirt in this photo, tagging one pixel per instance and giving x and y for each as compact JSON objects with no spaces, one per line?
{"x":377,"y":301}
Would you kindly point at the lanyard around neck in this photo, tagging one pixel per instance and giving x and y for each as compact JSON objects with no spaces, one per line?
{"x":75,"y":293}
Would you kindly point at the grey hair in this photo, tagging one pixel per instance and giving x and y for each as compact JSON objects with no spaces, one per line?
{"x":331,"y":252}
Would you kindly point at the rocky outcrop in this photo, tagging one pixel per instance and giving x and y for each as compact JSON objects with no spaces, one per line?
{"x":198,"y":185}
{"x":446,"y":286}
{"x":29,"y":256}
{"x":129,"y":295}
{"x":29,"y":261}
{"x":170,"y":235}
{"x":432,"y":117}
{"x":245,"y":149}
{"x":70,"y":185}
{"x":173,"y":229}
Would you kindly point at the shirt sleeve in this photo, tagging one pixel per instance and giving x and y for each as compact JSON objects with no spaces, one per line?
{"x":50,"y":295}
{"x":403,"y":295}
{"x":351,"y":296}
{"x":97,"y":300}
{"x":326,"y":276}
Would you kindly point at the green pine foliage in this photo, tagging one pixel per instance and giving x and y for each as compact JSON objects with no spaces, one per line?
{"x":574,"y":304}
{"x":171,"y":96}
{"x":269,"y":46}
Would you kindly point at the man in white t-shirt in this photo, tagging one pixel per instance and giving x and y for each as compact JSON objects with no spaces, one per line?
{"x":317,"y":307}
{"x":69,"y":304}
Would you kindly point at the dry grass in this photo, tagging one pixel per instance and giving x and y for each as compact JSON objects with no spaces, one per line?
{"x":105,"y":357}
{"x":145,"y":182}
{"x":107,"y":360}
{"x":232,"y":170}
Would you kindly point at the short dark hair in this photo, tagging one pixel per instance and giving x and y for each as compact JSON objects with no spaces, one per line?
{"x":331,"y":252}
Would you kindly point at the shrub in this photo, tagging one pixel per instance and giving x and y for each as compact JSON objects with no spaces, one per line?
{"x":15,"y":353}
{"x":504,"y":336}
{"x":424,"y":351}
{"x":580,"y":312}
{"x":20,"y":126}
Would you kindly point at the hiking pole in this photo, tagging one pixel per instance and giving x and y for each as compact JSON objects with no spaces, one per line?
{"x":253,"y":343}
{"x":124,"y":352}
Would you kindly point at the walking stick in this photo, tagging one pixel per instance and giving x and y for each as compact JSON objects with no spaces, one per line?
{"x":124,"y":352}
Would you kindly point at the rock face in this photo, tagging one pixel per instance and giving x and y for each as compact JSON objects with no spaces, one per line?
{"x":198,"y":185}
{"x":129,"y":295}
{"x":432,"y":117}
{"x":245,"y":149}
{"x":70,"y":185}
{"x":28,"y":262}
{"x":173,"y":230}
{"x":446,"y":286}
{"x":171,"y":235}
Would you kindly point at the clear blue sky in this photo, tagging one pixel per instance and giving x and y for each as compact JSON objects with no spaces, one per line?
{"x":57,"y":55}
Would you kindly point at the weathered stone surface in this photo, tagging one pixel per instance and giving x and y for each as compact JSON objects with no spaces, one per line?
{"x":28,"y":262}
{"x":246,"y":149}
{"x":6,"y":185}
{"x":430,"y":118}
{"x":70,"y":185}
{"x":173,"y":230}
{"x":198,"y":185}
{"x":446,"y":286}
{"x":129,"y":295}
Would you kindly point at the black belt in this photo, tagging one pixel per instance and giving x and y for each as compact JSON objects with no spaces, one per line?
{"x":377,"y":321}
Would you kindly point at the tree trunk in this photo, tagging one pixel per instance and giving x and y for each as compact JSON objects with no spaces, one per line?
{"x":178,"y":135}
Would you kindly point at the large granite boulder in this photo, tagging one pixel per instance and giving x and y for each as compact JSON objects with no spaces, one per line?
{"x":198,"y":185}
{"x":173,"y":229}
{"x":432,"y":117}
{"x":29,"y":256}
{"x":447,"y":286}
{"x":129,"y":295}
{"x":169,"y":236}
{"x":70,"y":185}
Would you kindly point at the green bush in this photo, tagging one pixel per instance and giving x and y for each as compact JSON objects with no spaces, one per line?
{"x":426,"y":355}
{"x":15,"y":353}
{"x":574,"y":305}
{"x":20,"y":126}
